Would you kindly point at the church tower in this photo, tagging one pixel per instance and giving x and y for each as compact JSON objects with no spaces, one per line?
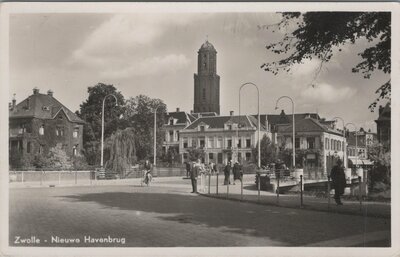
{"x":206,"y":81}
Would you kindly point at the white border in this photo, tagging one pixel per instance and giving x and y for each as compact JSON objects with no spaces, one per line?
{"x":11,"y":8}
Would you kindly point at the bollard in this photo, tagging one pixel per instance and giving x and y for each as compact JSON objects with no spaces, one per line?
{"x":41,"y":178}
{"x":241,"y":189}
{"x":301,"y":191}
{"x":59,"y":177}
{"x":22,"y":177}
{"x":76,"y":177}
{"x":277,"y":188}
{"x":217,"y":183}
{"x":209,"y":182}
{"x":360,"y":191}
{"x":329,"y":192}
{"x":258,"y":186}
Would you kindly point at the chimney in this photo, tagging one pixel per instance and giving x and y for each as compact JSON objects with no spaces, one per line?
{"x":14,"y":102}
{"x":35,"y":90}
{"x":50,"y":92}
{"x":231,"y":113}
{"x":177,"y":109}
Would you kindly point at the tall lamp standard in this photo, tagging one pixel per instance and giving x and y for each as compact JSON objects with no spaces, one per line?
{"x":155,"y":136}
{"x":344,"y":138}
{"x":102,"y":126}
{"x":293,"y":129}
{"x":355,"y":134}
{"x":258,"y":114}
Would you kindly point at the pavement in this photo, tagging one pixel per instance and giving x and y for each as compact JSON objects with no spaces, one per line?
{"x":165,"y":214}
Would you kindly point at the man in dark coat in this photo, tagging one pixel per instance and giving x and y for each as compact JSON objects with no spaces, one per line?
{"x":338,"y":180}
{"x":188,"y":167}
{"x":227,"y":173}
{"x":194,"y":174}
{"x":237,"y":172}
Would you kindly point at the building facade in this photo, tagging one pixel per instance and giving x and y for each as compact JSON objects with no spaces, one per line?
{"x":175,"y":121}
{"x":40,"y":122}
{"x":206,"y":81}
{"x":321,"y":144}
{"x":222,"y":138}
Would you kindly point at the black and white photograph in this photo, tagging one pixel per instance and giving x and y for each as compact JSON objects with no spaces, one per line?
{"x":200,"y":129}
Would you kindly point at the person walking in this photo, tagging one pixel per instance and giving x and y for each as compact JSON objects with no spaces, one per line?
{"x":227,"y":173}
{"x":188,"y":168}
{"x":237,"y":172}
{"x":338,"y":180}
{"x":194,"y":174}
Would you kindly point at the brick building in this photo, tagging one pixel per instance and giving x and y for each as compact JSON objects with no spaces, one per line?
{"x":40,"y":122}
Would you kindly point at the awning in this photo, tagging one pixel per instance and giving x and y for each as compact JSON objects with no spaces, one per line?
{"x":360,"y":161}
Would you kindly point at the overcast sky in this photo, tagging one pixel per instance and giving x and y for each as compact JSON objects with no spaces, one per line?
{"x":156,"y":55}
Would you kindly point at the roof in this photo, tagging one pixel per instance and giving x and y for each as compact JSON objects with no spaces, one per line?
{"x":220,"y":121}
{"x":181,"y":117}
{"x":197,"y":115}
{"x":308,"y":125}
{"x":42,"y":106}
{"x":283,"y":118}
{"x":207,"y":46}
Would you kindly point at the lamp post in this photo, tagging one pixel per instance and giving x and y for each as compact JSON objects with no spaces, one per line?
{"x":155,"y":136}
{"x":355,"y":134}
{"x":258,"y":114}
{"x":293,"y":129}
{"x":344,"y":138}
{"x":102,"y":126}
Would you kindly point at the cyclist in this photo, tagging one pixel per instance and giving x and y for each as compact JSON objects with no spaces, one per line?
{"x":147,"y":170}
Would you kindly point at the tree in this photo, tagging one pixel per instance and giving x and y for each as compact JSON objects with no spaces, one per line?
{"x":121,"y":151}
{"x":91,"y":112}
{"x":380,"y":172}
{"x":58,"y":158}
{"x":139,"y":113}
{"x":318,"y":34}
{"x":269,"y":151}
{"x":195,"y":153}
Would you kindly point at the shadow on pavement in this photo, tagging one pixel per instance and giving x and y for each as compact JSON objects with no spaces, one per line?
{"x":294,"y":227}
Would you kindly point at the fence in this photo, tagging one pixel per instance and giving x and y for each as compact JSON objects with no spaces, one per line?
{"x":52,"y":177}
{"x":250,"y":189}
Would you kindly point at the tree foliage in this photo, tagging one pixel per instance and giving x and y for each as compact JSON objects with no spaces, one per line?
{"x":58,"y":158}
{"x":269,"y":151}
{"x":319,"y":34}
{"x":91,"y":112}
{"x":121,"y":149}
{"x":195,"y":153}
{"x":139,"y":113}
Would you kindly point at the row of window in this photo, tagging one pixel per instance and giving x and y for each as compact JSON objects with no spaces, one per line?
{"x":59,"y":130}
{"x":218,"y":157}
{"x":29,"y":147}
{"x":334,"y":144}
{"x":211,"y":143}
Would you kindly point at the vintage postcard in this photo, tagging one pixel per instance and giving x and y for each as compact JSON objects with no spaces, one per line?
{"x":199,"y":129}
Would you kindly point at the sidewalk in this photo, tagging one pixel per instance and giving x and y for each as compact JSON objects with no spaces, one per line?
{"x":250,"y":194}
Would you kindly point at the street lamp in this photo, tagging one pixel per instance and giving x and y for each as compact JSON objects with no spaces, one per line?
{"x":355,"y":134}
{"x":258,"y":114}
{"x":102,"y":126}
{"x":155,"y":136}
{"x":293,"y":129}
{"x":344,"y":138}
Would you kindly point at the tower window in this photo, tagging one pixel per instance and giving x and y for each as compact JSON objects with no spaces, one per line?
{"x":204,"y":94}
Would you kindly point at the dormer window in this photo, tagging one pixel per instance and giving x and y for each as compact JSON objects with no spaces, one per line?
{"x":171,"y":121}
{"x":229,"y":127}
{"x":202,"y":128}
{"x":60,"y":117}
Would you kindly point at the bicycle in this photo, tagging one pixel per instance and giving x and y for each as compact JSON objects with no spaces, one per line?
{"x":147,"y":178}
